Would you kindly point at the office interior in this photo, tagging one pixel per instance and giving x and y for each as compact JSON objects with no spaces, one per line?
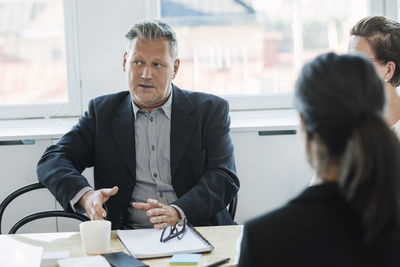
{"x":55,"y":57}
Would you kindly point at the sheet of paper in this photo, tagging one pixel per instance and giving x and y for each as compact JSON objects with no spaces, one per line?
{"x":88,"y":261}
{"x":18,"y":254}
{"x":50,"y":258}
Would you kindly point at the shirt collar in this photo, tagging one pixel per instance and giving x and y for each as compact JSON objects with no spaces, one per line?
{"x":167,"y":107}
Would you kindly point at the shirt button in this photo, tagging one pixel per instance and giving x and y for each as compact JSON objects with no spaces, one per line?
{"x":155,"y":175}
{"x":160,"y":194}
{"x":153,"y":147}
{"x":151,"y":119}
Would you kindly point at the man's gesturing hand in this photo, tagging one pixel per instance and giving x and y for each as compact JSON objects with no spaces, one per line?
{"x":92,"y":201}
{"x":161,"y":215}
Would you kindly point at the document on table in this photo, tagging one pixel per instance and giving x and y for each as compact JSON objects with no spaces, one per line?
{"x":145,"y":243}
{"x":18,"y":254}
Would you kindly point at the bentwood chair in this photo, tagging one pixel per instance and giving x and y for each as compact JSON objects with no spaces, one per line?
{"x":232,"y":207}
{"x":36,"y":215}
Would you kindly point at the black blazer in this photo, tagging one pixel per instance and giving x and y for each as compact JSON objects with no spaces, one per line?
{"x":318,"y":228}
{"x":202,"y":163}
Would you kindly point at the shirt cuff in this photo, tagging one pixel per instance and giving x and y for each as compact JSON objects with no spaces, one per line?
{"x":181,"y":213}
{"x":74,"y":201}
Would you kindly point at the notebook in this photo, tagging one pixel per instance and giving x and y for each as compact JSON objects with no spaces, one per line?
{"x":145,"y":243}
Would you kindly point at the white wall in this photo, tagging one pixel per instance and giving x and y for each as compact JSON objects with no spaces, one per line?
{"x":272,"y":169}
{"x":18,"y":168}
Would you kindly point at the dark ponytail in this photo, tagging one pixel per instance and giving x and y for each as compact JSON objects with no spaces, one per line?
{"x":371,"y":177}
{"x":341,"y":99}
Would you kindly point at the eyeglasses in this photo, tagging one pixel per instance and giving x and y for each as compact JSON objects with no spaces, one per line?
{"x":171,"y":231}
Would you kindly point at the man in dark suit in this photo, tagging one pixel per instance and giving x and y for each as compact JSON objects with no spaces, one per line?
{"x":160,"y":154}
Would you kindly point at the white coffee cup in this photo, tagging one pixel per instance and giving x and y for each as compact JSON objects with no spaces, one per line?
{"x":95,"y":236}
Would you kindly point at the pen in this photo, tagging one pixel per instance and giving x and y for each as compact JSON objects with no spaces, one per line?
{"x":218,"y":263}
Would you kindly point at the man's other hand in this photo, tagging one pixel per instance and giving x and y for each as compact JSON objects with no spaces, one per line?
{"x":92,"y":201}
{"x":161,"y":215}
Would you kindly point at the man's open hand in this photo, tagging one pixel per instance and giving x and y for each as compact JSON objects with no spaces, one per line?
{"x":92,"y":201}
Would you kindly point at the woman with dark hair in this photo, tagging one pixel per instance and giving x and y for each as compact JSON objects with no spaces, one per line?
{"x":352,"y":216}
{"x":379,"y":39}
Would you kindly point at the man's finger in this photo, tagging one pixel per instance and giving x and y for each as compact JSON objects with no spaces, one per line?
{"x":156,"y":212}
{"x":158,"y":219}
{"x":99,"y":210}
{"x":97,"y":217}
{"x":154,"y":203}
{"x":108,"y":192}
{"x":160,"y":225}
{"x":141,"y":206}
{"x":93,"y":215}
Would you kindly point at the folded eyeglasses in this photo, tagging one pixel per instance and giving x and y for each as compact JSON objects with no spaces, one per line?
{"x":171,"y":231}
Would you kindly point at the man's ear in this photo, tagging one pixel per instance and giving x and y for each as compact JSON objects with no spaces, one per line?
{"x":390,"y":68}
{"x":177,"y":63}
{"x":124,"y":61}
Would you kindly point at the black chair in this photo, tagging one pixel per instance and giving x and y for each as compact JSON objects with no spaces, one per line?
{"x":232,"y":207}
{"x":37,"y":215}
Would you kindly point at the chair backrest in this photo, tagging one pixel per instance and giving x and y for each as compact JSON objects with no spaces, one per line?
{"x":37,"y":215}
{"x":232,"y":207}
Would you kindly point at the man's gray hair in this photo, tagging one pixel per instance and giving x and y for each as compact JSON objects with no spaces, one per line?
{"x":153,"y":30}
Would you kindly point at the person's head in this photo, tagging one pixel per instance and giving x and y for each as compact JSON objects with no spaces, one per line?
{"x":150,"y":62}
{"x":341,"y":99}
{"x":379,"y":39}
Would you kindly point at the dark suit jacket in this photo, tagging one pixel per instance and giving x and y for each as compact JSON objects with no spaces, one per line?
{"x":202,"y":163}
{"x":318,"y":228}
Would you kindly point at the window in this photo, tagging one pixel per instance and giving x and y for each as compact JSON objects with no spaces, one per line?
{"x":254,"y":48}
{"x":33,"y":66}
{"x":56,"y":55}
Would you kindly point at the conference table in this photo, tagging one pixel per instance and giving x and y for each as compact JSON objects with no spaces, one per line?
{"x":20,"y":248}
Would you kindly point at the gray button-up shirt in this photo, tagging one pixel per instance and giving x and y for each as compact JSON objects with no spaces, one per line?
{"x":153,"y":173}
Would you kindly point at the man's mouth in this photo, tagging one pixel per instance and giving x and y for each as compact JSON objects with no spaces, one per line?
{"x":146,"y":86}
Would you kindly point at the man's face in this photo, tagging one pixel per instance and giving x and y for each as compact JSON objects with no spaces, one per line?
{"x":359,"y":44}
{"x":150,"y":68}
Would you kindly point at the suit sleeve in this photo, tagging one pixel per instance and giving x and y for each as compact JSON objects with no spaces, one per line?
{"x":218,"y":183}
{"x":61,"y":165}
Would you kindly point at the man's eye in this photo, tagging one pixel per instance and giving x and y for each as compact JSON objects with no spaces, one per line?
{"x":136,"y":62}
{"x":157,"y":65}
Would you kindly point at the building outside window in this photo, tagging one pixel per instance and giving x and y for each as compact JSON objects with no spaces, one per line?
{"x":254,"y":48}
{"x":33,"y":66}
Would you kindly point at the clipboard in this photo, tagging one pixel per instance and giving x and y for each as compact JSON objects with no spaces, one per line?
{"x":145,"y":243}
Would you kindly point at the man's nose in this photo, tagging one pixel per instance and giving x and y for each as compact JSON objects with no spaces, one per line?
{"x":146,"y":74}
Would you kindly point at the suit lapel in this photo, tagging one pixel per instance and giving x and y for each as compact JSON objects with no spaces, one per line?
{"x":182,"y":125}
{"x":124,"y":133}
